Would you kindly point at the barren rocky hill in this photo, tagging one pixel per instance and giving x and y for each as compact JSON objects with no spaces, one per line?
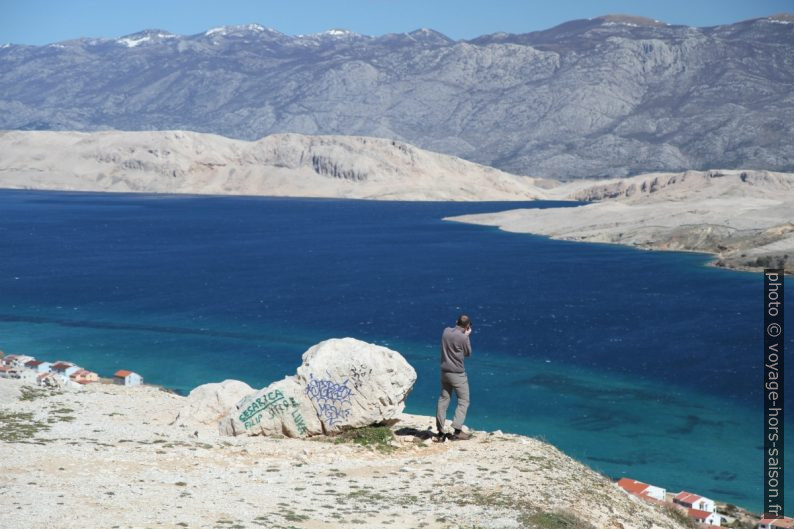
{"x":278,"y":165}
{"x":746,"y":218}
{"x":608,"y":96}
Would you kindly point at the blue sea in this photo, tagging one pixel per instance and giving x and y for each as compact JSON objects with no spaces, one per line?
{"x":641,"y":364}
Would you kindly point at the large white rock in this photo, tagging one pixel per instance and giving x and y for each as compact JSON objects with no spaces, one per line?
{"x":281,"y":408}
{"x":342,"y":383}
{"x":208,"y":403}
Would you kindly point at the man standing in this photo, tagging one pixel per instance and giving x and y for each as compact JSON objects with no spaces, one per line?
{"x":455,"y":346}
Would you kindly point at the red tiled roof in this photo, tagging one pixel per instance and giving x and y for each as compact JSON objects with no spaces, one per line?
{"x":783,"y":523}
{"x":61,"y":365}
{"x":33,"y":363}
{"x":632,"y":485}
{"x":698,"y":514}
{"x":687,"y":497}
{"x":4,"y":368}
{"x":122,"y":373}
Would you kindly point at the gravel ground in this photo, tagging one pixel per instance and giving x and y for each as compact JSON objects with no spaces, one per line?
{"x":109,"y":457}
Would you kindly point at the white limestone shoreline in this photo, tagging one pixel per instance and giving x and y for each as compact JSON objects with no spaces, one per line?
{"x":744,"y":218}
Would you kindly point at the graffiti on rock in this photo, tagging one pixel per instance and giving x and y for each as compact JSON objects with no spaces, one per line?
{"x":332,"y":399}
{"x":300,"y":423}
{"x":358,"y":374}
{"x":274,"y":403}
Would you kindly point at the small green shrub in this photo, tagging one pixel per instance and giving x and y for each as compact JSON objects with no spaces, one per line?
{"x":679,"y":516}
{"x":378,"y":437}
{"x":555,"y":520}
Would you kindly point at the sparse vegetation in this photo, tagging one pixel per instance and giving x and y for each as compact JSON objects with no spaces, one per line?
{"x":377,"y":437}
{"x":61,"y":415}
{"x":33,"y":393}
{"x":20,"y":427}
{"x":292,"y":516}
{"x":555,"y":520}
{"x":742,"y":524}
{"x":366,"y":494}
{"x":679,"y":516}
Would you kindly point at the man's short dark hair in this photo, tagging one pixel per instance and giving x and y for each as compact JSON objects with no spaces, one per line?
{"x":464,"y":321}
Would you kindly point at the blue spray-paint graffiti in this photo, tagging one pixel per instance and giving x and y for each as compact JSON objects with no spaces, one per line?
{"x":332,"y":399}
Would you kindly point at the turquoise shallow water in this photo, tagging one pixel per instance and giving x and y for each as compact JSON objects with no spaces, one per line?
{"x":644,"y":364}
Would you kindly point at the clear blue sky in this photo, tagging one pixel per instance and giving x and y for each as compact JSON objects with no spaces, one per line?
{"x":45,"y":21}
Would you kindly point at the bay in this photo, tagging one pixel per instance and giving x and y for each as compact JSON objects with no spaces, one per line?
{"x":645,"y":364}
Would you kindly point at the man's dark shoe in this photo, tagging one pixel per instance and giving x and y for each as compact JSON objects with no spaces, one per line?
{"x":460,"y":436}
{"x":439,"y":438}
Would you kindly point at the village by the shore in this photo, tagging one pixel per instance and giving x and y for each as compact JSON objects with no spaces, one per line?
{"x":59,"y":373}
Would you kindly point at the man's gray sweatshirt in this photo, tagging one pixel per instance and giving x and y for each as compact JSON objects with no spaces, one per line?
{"x":455,"y":345}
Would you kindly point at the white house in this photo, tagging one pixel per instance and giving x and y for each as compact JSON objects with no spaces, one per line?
{"x":17,"y":360}
{"x":14,"y":372}
{"x":776,"y":523}
{"x":64,"y":368}
{"x":84,"y":376}
{"x":704,"y":517}
{"x":38,"y":366}
{"x":7,"y":360}
{"x":127,"y":378}
{"x":642,"y":489}
{"x":694,"y":501}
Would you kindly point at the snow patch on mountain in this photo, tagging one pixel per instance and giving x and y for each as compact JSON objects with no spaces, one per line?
{"x":136,"y":39}
{"x":237,"y":29}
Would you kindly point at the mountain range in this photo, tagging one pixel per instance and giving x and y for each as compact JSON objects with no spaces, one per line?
{"x":604,"y":97}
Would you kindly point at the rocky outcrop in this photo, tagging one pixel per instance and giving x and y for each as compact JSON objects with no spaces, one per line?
{"x":342,"y":383}
{"x":208,"y":403}
{"x":685,"y":186}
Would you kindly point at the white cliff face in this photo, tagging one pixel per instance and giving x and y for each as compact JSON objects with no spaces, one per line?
{"x":341,"y":384}
{"x":278,"y":165}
